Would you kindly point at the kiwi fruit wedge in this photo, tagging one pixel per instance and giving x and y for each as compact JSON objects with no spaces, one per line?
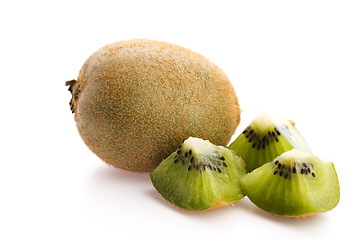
{"x":200,"y":176}
{"x":266,"y":138}
{"x":136,"y":101}
{"x":295,"y":184}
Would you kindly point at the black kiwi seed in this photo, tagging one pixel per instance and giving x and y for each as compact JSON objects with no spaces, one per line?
{"x":261,"y":141}
{"x":304,"y":171}
{"x":249,"y":133}
{"x":263,"y":144}
{"x":216,"y":164}
{"x":286,"y":171}
{"x":258,"y":146}
{"x":277,"y":131}
{"x":188,"y":159}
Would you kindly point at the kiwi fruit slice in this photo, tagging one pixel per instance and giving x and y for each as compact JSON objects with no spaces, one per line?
{"x":265,"y":138}
{"x":136,"y":101}
{"x":295,"y":184}
{"x":200,"y":176}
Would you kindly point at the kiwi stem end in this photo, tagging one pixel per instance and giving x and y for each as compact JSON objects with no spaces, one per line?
{"x":71,"y":83}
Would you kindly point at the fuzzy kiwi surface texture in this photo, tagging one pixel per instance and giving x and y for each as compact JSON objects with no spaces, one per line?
{"x":136,"y":101}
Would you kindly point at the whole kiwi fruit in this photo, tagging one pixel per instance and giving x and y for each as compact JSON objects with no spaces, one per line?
{"x":136,"y":101}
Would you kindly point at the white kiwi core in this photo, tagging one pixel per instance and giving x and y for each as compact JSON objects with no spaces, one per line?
{"x":198,"y":145}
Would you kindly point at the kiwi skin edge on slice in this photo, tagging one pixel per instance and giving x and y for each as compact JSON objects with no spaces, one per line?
{"x":200,"y":176}
{"x":295,"y":184}
{"x":265,"y":138}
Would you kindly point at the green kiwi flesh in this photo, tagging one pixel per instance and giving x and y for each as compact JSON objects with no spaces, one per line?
{"x":266,"y":138}
{"x":199,"y":176}
{"x":295,"y":184}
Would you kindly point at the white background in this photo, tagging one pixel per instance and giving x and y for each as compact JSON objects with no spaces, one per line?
{"x":299,"y":59}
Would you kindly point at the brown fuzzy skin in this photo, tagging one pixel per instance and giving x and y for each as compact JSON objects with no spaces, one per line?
{"x":136,"y":101}
{"x":305,"y":215}
{"x":216,"y":205}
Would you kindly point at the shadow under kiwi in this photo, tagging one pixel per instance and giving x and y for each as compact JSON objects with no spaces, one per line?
{"x":108,"y":180}
{"x":115,"y":183}
{"x":203,"y":215}
{"x":109,"y":173}
{"x":305,"y":222}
